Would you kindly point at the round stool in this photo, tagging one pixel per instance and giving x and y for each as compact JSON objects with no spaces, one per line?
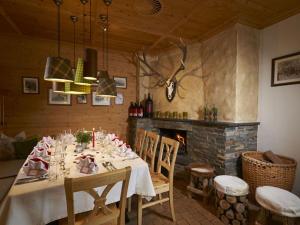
{"x":201,"y":175}
{"x":277,"y":201}
{"x":231,"y":199}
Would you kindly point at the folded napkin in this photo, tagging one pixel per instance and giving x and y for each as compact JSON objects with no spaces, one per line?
{"x":49,"y":141}
{"x":126,"y":151}
{"x":87,"y":164}
{"x":35,"y":167}
{"x":39,"y":152}
{"x":118,"y":142}
{"x":112,"y":137}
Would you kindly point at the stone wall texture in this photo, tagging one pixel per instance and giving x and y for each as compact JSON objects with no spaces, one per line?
{"x":216,"y":143}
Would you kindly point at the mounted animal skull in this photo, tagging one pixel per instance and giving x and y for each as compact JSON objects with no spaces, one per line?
{"x":170,"y":83}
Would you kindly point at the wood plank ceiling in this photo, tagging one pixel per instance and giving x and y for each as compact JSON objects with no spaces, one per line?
{"x":130,"y":30}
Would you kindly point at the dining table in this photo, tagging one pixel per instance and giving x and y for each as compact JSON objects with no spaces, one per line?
{"x":42,"y":200}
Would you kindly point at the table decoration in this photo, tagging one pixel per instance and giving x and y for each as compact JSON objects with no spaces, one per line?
{"x":87,"y":164}
{"x":35,"y":167}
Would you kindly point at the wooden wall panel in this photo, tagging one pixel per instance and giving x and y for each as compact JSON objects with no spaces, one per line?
{"x":23,"y":56}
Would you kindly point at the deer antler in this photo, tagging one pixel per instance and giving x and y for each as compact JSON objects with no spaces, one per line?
{"x":182,"y":46}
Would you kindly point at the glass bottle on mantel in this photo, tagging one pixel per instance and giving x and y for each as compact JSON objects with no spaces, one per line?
{"x":149,"y":107}
{"x":135,"y":110}
{"x":140,"y":111}
{"x":130,"y":110}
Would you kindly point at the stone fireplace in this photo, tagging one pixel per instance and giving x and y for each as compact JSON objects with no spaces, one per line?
{"x":218,"y":143}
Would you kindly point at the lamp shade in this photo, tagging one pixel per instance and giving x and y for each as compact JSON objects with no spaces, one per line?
{"x":59,"y":70}
{"x":106,"y":86}
{"x":90,"y":64}
{"x":75,"y":89}
{"x":58,"y":87}
{"x":79,"y":74}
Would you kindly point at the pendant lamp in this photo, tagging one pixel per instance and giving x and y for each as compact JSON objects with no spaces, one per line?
{"x":90,"y":66}
{"x":90,"y":60}
{"x":74,"y":88}
{"x":106,"y":86}
{"x":58,"y":69}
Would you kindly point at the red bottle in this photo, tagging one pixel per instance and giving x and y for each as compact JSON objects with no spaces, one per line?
{"x":140,"y":111}
{"x":135,"y":110}
{"x":130,"y":110}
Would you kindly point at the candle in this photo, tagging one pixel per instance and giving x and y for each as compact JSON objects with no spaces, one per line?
{"x":93,"y":137}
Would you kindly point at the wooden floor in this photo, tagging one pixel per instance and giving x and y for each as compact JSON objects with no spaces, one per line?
{"x":188,"y":212}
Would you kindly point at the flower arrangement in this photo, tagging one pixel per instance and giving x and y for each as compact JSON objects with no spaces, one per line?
{"x":83,"y":137}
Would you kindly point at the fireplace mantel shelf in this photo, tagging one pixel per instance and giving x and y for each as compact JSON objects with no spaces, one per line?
{"x":203,"y":122}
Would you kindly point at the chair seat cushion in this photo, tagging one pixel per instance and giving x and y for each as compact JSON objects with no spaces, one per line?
{"x":202,"y":170}
{"x":160,"y":183}
{"x":278,"y":201}
{"x":231,"y":185}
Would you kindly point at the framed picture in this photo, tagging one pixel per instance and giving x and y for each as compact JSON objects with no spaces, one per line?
{"x":121,"y":82}
{"x":58,"y":98}
{"x":286,"y":70}
{"x":119,"y":100}
{"x":81,"y":99}
{"x":30,"y":85}
{"x":99,"y":100}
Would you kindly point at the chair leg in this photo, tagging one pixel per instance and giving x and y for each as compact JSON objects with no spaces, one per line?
{"x":160,"y":197}
{"x":262,"y":217}
{"x":172,"y":204}
{"x":140,"y":210}
{"x":129,"y":204}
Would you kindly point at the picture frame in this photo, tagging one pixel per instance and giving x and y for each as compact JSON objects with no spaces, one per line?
{"x":119,"y":100}
{"x":286,"y":70}
{"x":81,"y":99}
{"x":121,"y":82}
{"x":59,"y":98}
{"x":30,"y":85}
{"x":99,"y":101}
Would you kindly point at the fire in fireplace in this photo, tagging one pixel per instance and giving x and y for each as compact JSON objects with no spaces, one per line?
{"x":181,"y":137}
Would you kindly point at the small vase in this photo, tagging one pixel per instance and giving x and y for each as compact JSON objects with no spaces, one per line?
{"x":84,"y":145}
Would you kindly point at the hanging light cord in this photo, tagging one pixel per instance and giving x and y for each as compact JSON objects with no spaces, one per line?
{"x":107,"y":37}
{"x":90,"y":21}
{"x":58,"y":29}
{"x":74,"y":40}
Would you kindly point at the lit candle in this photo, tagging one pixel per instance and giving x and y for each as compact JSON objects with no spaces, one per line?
{"x":93,"y":137}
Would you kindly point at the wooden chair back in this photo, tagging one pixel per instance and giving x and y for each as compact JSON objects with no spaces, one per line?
{"x":87,"y":184}
{"x":139,"y":141}
{"x":150,"y":146}
{"x":167,"y":156}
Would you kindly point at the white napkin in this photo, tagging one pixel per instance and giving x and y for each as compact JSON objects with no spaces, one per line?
{"x":111,"y":137}
{"x":118,"y":142}
{"x":49,"y":141}
{"x":35,"y":167}
{"x":39,"y":152}
{"x":87,"y":164}
{"x":126,"y":151}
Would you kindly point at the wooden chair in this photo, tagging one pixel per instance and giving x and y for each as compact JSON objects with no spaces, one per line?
{"x":149,"y":150}
{"x":139,"y":141}
{"x":101,"y":213}
{"x":162,"y":184}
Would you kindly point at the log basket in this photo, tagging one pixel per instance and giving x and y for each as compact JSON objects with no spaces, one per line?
{"x":259,"y":172}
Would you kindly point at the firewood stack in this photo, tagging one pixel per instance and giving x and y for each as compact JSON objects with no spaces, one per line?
{"x":231,"y":200}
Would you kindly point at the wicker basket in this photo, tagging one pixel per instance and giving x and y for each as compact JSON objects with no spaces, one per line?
{"x":258,"y":172}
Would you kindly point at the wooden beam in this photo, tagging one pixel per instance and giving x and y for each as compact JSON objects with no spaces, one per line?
{"x":10,"y":21}
{"x":177,"y":25}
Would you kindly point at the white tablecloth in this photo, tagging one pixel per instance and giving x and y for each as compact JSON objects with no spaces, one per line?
{"x":41,"y":202}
